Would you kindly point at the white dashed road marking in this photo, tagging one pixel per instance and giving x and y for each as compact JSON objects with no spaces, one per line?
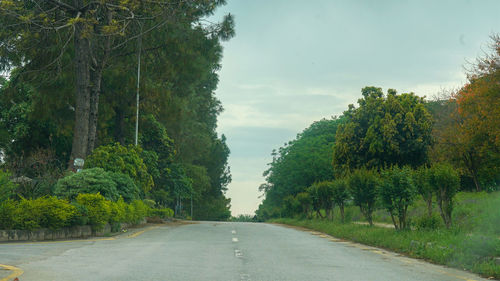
{"x":235,"y":239}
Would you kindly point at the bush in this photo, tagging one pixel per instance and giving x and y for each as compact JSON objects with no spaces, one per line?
{"x":141,"y":210}
{"x":6,"y":186}
{"x":363,"y":185}
{"x":82,"y":215}
{"x":94,"y":180}
{"x":49,"y":212}
{"x":161,"y":213}
{"x":445,"y":181}
{"x":121,"y":159}
{"x":7,"y":209}
{"x":427,"y":222}
{"x":340,"y":195}
{"x":397,"y":192}
{"x":125,"y":186}
{"x":98,"y":209}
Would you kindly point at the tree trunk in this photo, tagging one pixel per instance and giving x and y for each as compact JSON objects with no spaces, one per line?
{"x":393,"y":220}
{"x":96,"y":78}
{"x":94,"y":107}
{"x":476,"y":181}
{"x":82,"y":92}
{"x":428,"y":200}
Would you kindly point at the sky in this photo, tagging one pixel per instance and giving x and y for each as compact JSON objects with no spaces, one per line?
{"x":295,"y":62}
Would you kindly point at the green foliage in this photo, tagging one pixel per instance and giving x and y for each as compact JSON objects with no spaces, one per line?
{"x":445,"y":181}
{"x":397,"y":192}
{"x":6,"y":186}
{"x":125,"y":186}
{"x":136,"y":211}
{"x":122,"y":159}
{"x":44,"y":212}
{"x":7,"y":213}
{"x":214,"y":208}
{"x":422,"y":181}
{"x":383,"y":131}
{"x":321,"y":195}
{"x":163,"y":213}
{"x":301,"y":162}
{"x":363,"y":186}
{"x":427,"y":222}
{"x":340,"y":195}
{"x":87,"y":181}
{"x":98,"y":209}
{"x":447,"y":247}
{"x":95,"y":180}
{"x":305,"y":201}
{"x":291,"y":206}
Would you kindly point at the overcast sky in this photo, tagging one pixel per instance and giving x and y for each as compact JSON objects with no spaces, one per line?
{"x":295,"y":62}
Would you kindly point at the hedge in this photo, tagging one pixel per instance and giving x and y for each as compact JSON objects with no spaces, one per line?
{"x":88,"y":209}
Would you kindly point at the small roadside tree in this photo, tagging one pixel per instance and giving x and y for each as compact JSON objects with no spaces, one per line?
{"x":339,"y":195}
{"x":321,"y":198}
{"x":397,"y":192}
{"x":445,"y":181}
{"x":363,"y":185}
{"x":290,"y":206}
{"x":421,"y":179}
{"x":305,"y":202}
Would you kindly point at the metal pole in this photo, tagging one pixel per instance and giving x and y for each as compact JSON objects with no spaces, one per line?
{"x":191,"y":205}
{"x":139,"y":47}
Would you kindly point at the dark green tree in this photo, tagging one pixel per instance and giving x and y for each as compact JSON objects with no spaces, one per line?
{"x":383,"y":131}
{"x":301,"y":162}
{"x":363,"y":186}
{"x":397,"y":192}
{"x":340,"y":195}
{"x":445,"y":181}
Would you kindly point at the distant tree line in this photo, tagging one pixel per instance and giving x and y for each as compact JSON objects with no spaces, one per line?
{"x":391,"y":148}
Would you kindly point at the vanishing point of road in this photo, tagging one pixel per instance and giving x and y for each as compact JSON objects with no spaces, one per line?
{"x":214,"y":251}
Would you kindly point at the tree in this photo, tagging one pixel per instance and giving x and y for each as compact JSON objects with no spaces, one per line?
{"x":445,"y":181}
{"x":305,"y":202}
{"x":363,"y":186}
{"x":301,"y":162}
{"x":97,"y":30}
{"x":340,"y":195}
{"x":422,"y":181}
{"x":468,"y":135}
{"x":321,"y":195}
{"x":125,"y":160}
{"x":383,"y":131}
{"x":6,"y":186}
{"x":397,"y":192}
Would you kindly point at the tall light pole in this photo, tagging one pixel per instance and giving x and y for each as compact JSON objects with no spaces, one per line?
{"x":139,"y":47}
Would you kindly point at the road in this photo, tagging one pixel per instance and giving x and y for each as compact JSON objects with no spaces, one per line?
{"x":216,"y":251}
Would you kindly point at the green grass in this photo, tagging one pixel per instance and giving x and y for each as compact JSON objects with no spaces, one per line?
{"x":472,"y":243}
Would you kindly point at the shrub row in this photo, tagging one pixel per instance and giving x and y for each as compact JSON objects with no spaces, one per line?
{"x":87,"y":209}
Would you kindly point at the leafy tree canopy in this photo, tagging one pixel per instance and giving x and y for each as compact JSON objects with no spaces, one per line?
{"x":383,"y":131}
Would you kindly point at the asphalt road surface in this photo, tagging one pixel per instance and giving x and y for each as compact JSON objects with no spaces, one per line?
{"x":215,"y":251}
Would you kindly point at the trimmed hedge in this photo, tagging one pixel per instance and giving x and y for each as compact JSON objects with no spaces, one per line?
{"x":87,"y":209}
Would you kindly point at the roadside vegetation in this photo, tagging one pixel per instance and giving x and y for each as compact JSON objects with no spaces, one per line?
{"x":417,"y":176}
{"x":176,"y":161}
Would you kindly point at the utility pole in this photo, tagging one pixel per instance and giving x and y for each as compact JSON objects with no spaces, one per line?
{"x":139,"y":47}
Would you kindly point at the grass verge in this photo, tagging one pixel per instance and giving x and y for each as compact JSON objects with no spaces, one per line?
{"x":478,"y":253}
